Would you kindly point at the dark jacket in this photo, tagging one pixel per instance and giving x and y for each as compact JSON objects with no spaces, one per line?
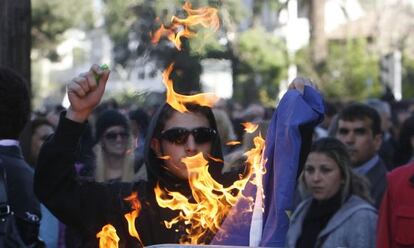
{"x":377,"y":177}
{"x":21,"y":197}
{"x":88,"y":206}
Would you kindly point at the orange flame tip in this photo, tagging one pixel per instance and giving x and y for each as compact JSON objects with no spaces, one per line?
{"x":166,"y":157}
{"x":178,"y":101}
{"x":130,"y":217}
{"x":250,"y":127}
{"x":233,"y":143}
{"x":207,"y":17}
{"x":215,"y":159}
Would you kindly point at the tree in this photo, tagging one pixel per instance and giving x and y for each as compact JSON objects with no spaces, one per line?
{"x":408,"y":77}
{"x":317,"y":32}
{"x":262,"y":65}
{"x":15,"y":42}
{"x":350,"y":72}
{"x":51,"y":18}
{"x":257,"y":57}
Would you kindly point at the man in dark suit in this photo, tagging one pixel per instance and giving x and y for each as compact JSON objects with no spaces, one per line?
{"x":14,"y":113}
{"x":359,"y":128}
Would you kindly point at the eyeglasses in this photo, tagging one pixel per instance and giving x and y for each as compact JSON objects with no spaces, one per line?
{"x":112,"y":136}
{"x":180,"y":135}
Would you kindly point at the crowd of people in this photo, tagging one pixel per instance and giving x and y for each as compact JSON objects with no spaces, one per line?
{"x":68,"y":170}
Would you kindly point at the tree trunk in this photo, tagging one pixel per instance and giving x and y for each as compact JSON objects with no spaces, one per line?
{"x":15,"y":36}
{"x":317,"y":31}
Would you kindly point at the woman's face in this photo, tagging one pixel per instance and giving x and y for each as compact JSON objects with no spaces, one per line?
{"x":322,"y":176}
{"x":186,"y":145}
{"x":115,"y":141}
{"x":39,"y":136}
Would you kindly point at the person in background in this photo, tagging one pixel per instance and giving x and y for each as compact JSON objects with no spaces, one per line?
{"x":53,"y":114}
{"x":14,"y":114}
{"x":225,"y":129}
{"x":138,"y":121}
{"x":387,"y":149}
{"x":359,"y":128}
{"x":396,"y":215}
{"x":321,"y":131}
{"x":31,"y":139}
{"x":338,"y":213}
{"x":113,"y":149}
{"x":405,"y":146}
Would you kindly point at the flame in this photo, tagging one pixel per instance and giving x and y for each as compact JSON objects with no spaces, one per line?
{"x":233,"y":143}
{"x":212,"y":201}
{"x":108,"y":237}
{"x":215,"y":159}
{"x":166,"y":157}
{"x":178,"y":101}
{"x":205,"y":16}
{"x":250,"y":127}
{"x":130,"y":217}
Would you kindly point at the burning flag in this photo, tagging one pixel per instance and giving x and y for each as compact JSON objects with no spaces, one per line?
{"x":212,"y":201}
{"x":288,"y":137}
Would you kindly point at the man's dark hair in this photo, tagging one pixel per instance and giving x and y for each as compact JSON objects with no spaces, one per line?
{"x":14,"y":103}
{"x":359,"y":111}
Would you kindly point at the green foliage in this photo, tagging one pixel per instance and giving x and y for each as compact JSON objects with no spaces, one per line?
{"x":128,"y":97}
{"x":119,"y":18}
{"x":350,"y":71}
{"x":408,"y":77}
{"x":263,"y":60}
{"x":51,"y":18}
{"x":260,"y":58}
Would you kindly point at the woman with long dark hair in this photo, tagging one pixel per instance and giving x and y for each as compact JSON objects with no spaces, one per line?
{"x":338,"y":213}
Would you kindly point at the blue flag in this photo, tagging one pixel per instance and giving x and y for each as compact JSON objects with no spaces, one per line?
{"x":282,"y":155}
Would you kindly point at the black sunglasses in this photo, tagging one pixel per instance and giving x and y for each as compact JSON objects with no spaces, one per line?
{"x":180,"y":135}
{"x":112,"y":136}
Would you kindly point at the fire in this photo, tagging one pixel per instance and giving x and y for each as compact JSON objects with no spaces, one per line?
{"x":166,"y":157}
{"x":206,"y":16}
{"x":250,"y":127}
{"x":108,"y":237}
{"x":215,"y":159}
{"x":130,"y":217}
{"x":212,"y":201}
{"x":233,"y":143}
{"x":178,"y":101}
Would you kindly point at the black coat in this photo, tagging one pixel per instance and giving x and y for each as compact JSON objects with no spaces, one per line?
{"x":377,"y":177}
{"x":21,"y":197}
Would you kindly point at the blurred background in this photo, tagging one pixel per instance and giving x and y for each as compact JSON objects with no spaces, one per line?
{"x":353,"y":49}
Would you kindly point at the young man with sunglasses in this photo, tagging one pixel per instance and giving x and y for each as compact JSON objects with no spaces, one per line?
{"x":88,"y":206}
{"x":171,"y":136}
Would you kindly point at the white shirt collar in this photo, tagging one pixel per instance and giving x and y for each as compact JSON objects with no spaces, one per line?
{"x":9,"y":142}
